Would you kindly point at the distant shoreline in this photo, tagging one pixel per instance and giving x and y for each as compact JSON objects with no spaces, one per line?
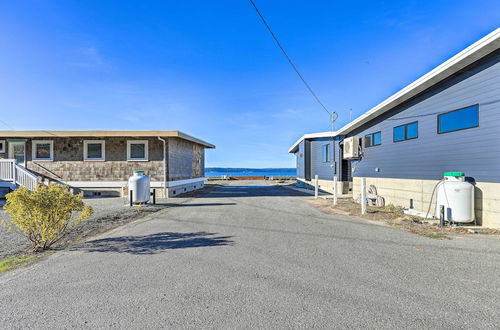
{"x":249,"y":172}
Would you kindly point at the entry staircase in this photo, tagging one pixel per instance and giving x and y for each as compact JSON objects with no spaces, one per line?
{"x":16,"y":175}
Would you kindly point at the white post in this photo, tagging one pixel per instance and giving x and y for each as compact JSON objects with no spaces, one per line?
{"x":14,"y":174}
{"x":316,"y":186}
{"x":334,"y":190}
{"x":363,"y":196}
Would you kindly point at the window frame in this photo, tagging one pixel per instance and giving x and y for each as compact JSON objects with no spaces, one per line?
{"x":371,"y":135}
{"x":406,"y":132}
{"x":85,"y":150}
{"x":146,"y":150}
{"x":3,"y":146}
{"x":326,"y":147}
{"x":329,"y":153}
{"x":33,"y":150}
{"x":368,"y":137}
{"x":460,"y":129}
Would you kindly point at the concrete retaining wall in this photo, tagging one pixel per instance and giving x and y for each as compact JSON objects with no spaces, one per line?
{"x":325,"y":185}
{"x":400,"y":191}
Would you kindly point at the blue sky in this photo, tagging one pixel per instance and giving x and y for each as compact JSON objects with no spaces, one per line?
{"x":210,"y":69}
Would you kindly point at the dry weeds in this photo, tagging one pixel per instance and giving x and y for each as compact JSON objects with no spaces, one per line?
{"x":393,"y":216}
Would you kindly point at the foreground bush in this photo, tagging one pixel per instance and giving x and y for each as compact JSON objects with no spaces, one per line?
{"x":45,"y":215}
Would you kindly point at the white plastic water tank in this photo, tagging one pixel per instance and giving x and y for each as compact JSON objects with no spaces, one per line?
{"x":139,"y":187}
{"x":457,"y":196}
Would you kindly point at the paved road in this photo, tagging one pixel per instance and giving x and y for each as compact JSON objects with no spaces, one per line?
{"x":257,"y":257}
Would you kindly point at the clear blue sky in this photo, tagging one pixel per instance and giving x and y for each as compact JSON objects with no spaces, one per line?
{"x":210,"y":69}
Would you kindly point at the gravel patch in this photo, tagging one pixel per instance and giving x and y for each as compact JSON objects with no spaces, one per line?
{"x":109,"y":213}
{"x":10,"y":242}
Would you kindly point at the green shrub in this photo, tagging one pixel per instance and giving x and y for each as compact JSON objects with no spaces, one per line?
{"x":45,"y":215}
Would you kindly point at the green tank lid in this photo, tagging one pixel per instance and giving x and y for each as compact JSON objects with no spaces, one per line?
{"x":455,"y":174}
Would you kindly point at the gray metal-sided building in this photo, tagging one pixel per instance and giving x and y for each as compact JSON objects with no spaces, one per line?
{"x":447,"y":120}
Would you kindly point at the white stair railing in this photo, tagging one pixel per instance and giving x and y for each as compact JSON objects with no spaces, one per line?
{"x":25,"y":178}
{"x":7,"y":169}
{"x":12,"y":172}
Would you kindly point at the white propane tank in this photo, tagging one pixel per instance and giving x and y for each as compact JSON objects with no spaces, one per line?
{"x":139,"y":187}
{"x":457,"y":196}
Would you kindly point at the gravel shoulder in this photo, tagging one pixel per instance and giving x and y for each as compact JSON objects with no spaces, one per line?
{"x":109,"y":213}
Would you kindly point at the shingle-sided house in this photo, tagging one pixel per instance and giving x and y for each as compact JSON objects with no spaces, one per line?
{"x":100,"y":162}
{"x":447,"y":120}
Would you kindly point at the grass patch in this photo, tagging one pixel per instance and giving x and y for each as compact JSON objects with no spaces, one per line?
{"x":13,"y":262}
{"x":390,"y":208}
{"x":435,"y":235}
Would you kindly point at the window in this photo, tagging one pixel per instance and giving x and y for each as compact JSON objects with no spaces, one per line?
{"x":42,"y":150}
{"x":457,"y":120}
{"x":373,"y":139}
{"x":405,"y":132}
{"x":94,"y":150}
{"x":137,"y":150}
{"x":2,"y":146}
{"x":399,"y":133}
{"x":326,"y":153}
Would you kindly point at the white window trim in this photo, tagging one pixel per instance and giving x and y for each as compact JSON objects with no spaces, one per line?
{"x":33,"y":150}
{"x":85,"y":151}
{"x":326,"y":151}
{"x":146,"y":153}
{"x":2,"y":148}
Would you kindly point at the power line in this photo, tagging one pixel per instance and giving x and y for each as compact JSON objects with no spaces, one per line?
{"x":289,"y":59}
{"x":7,"y":125}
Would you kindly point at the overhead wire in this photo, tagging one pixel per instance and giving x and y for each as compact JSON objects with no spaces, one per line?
{"x":332,"y":114}
{"x":7,"y":125}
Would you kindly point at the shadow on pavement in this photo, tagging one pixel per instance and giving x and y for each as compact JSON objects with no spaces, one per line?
{"x":155,"y":243}
{"x":194,"y":204}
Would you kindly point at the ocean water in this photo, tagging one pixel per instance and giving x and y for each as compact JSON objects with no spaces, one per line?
{"x":218,"y":171}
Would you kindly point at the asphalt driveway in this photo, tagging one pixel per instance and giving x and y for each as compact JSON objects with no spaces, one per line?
{"x":257,"y":256}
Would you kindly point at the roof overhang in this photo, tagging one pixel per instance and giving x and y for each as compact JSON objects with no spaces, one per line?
{"x":294,"y":148}
{"x":469,"y":55}
{"x":48,"y":134}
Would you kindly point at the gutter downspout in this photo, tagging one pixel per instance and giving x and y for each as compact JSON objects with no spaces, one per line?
{"x":164,"y":166}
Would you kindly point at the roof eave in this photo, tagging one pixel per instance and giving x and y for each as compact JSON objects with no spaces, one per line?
{"x":471,"y":54}
{"x":102,"y":133}
{"x":294,"y":148}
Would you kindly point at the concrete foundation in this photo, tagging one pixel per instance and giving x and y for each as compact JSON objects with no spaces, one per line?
{"x":120,"y":189}
{"x":182,"y":189}
{"x":401,"y":191}
{"x":343,"y":187}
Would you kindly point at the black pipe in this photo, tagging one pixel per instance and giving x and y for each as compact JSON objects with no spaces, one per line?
{"x":131,"y":195}
{"x":441,"y":215}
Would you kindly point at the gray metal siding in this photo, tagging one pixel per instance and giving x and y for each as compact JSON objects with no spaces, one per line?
{"x":324,"y":170}
{"x":307,"y":160}
{"x":300,"y":161}
{"x":474,"y":151}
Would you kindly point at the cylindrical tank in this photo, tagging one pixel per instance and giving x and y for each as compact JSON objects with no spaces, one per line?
{"x":139,"y":187}
{"x":457,"y":196}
